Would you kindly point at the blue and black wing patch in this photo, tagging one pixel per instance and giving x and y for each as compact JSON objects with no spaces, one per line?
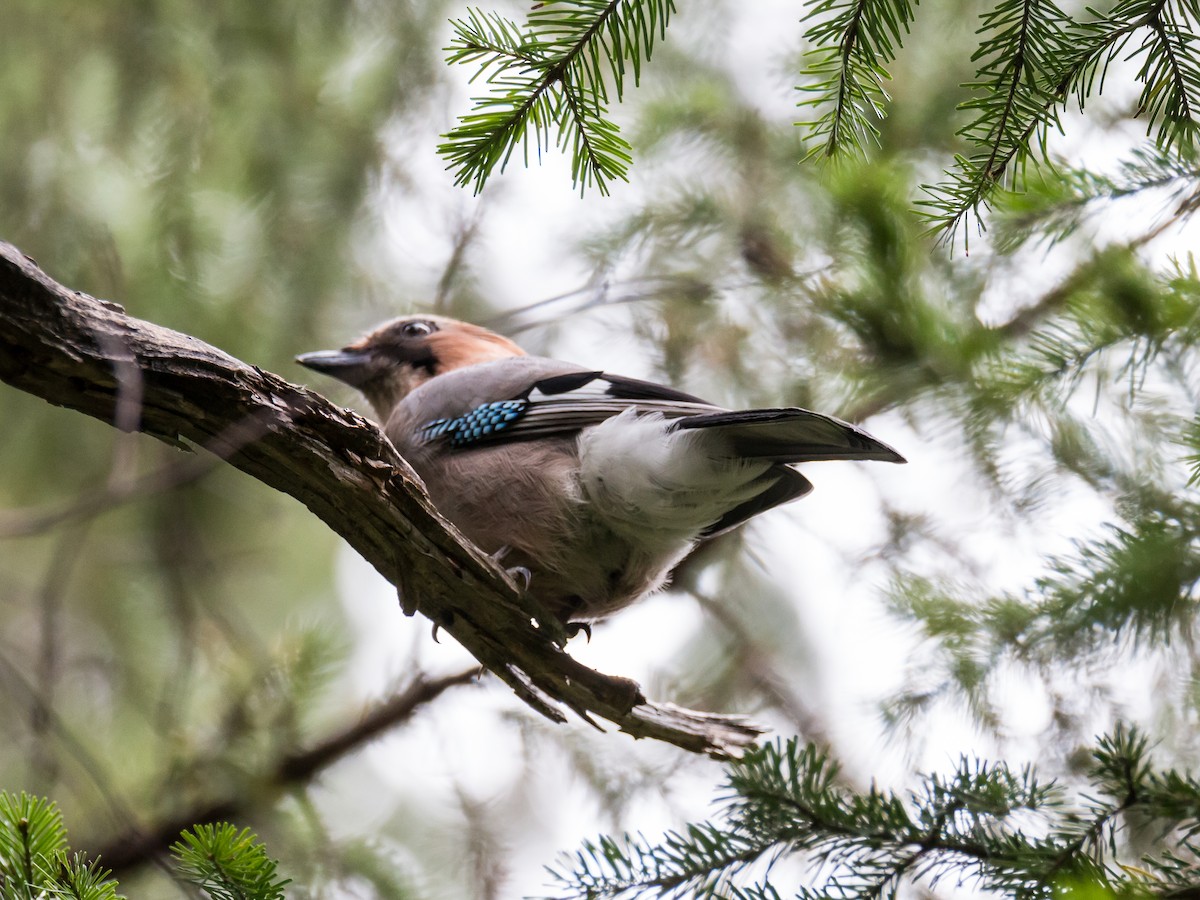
{"x":477,"y":426}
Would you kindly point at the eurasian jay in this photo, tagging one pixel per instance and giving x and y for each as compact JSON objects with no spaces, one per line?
{"x":594,"y":485}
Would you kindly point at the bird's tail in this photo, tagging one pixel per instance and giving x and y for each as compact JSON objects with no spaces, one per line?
{"x":653,"y":477}
{"x":789,"y":436}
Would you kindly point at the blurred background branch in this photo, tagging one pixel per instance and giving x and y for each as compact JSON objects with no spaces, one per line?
{"x":141,"y":844}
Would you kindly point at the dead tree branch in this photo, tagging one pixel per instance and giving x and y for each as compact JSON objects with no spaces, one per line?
{"x":73,"y":350}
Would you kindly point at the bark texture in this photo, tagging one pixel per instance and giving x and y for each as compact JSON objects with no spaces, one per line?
{"x":86,"y":354}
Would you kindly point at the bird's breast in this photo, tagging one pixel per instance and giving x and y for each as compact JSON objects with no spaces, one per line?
{"x":526,"y":500}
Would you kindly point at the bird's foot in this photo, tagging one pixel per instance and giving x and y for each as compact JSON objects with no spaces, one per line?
{"x":574,"y":628}
{"x":447,"y":621}
{"x":521,"y":575}
{"x":516,"y":573}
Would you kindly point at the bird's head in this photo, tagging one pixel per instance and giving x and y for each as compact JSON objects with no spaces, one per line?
{"x":399,"y":356}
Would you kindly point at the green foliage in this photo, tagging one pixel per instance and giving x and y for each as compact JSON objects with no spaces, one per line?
{"x":1094,"y":393}
{"x":31,"y":833}
{"x":35,"y":860}
{"x":1056,"y":204}
{"x":226,"y":170}
{"x":1016,"y":98}
{"x":1135,"y":587}
{"x":551,"y":82}
{"x":853,"y":41}
{"x":1116,"y":319}
{"x":551,"y":75}
{"x":82,"y":879}
{"x":1034,"y":58}
{"x":1191,"y":439}
{"x":228,"y":864}
{"x":217,"y":170}
{"x":984,"y":825}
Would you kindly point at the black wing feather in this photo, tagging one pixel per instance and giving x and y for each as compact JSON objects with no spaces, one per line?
{"x":791,"y":435}
{"x":789,"y":485}
{"x":635,"y":389}
{"x":561,"y":384}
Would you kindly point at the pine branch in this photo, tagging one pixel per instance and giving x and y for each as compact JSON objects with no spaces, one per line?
{"x":1017,"y":99}
{"x":1054,"y":206}
{"x":228,"y":864}
{"x":1190,"y":439}
{"x":1113,"y":320}
{"x":551,"y":77}
{"x":692,"y":863}
{"x":853,"y":42}
{"x":34,"y":857}
{"x":1171,"y":74}
{"x":1035,"y":62}
{"x":35,"y":860}
{"x":984,"y":825}
{"x":1136,"y":586}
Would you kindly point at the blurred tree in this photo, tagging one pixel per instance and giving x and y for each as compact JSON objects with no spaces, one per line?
{"x":1116,"y":326}
{"x":217,"y":169}
{"x":225,"y":863}
{"x":237,"y":171}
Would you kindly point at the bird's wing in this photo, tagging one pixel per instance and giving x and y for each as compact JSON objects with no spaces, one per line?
{"x":559,"y":405}
{"x":790,"y":435}
{"x":785,"y":485}
{"x":528,"y":398}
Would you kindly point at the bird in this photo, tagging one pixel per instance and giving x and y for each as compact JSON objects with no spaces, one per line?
{"x":591,"y":486}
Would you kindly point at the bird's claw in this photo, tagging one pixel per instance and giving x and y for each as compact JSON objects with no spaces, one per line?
{"x":574,"y":628}
{"x":516,"y":573}
{"x":447,"y":620}
{"x":522,"y":575}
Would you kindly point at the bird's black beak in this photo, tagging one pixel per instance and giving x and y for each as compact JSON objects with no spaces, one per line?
{"x":354,"y":367}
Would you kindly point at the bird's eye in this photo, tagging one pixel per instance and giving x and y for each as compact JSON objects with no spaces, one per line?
{"x":417,"y":329}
